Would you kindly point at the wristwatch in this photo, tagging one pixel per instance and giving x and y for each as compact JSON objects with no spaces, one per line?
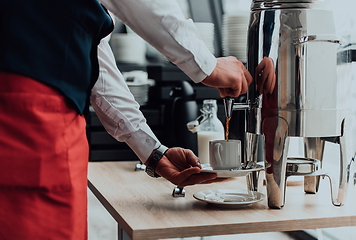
{"x":157,"y":155}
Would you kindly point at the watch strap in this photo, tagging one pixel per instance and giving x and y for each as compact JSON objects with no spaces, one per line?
{"x":156,"y":157}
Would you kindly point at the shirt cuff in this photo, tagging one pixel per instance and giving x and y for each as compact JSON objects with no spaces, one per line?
{"x":199,"y":73}
{"x":142,"y":143}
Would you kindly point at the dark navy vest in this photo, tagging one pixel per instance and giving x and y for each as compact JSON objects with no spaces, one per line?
{"x":54,"y":42}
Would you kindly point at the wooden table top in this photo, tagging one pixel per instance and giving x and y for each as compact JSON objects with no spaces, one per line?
{"x":145,"y":209}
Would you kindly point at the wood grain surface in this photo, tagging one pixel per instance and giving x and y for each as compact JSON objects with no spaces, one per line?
{"x":145,"y":209}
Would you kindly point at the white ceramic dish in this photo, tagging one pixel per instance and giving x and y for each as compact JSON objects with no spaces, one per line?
{"x":229,"y":197}
{"x":232,"y":172}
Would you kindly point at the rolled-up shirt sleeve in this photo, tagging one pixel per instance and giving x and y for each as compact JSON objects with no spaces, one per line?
{"x":164,"y":26}
{"x":117,"y":109}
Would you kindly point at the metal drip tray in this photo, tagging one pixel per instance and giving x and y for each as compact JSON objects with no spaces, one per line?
{"x":302,"y":166}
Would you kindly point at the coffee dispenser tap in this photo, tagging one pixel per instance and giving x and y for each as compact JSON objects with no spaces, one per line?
{"x":230,"y":106}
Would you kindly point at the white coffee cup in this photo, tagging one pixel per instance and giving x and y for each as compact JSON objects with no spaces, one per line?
{"x":224,"y":155}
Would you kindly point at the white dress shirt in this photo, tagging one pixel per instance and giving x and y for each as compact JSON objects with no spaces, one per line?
{"x":163,"y":25}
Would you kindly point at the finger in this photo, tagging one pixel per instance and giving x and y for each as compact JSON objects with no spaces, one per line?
{"x":271,"y":76}
{"x":248,"y":76}
{"x":185,"y":174}
{"x":192,"y":159}
{"x":260,"y":67}
{"x":262,"y":76}
{"x":258,"y":76}
{"x":265,"y":84}
{"x":223,"y":92}
{"x":244,"y":86}
{"x":234,"y":92}
{"x":269,"y":82}
{"x":257,"y":73}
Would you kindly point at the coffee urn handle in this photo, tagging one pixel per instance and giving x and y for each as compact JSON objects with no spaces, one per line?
{"x":315,"y":38}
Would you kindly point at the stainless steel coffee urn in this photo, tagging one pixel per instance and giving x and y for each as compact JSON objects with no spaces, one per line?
{"x":294,"y":57}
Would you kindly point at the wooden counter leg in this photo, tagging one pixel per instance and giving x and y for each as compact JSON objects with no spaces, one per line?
{"x":121,"y":234}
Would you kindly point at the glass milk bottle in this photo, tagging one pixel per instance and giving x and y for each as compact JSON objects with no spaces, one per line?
{"x":210,"y":128}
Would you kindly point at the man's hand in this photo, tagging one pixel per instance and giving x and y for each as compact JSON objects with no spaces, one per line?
{"x":230,"y":77}
{"x":182,"y":168}
{"x":265,"y":76}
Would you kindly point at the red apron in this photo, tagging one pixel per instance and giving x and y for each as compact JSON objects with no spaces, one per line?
{"x":43,"y":163}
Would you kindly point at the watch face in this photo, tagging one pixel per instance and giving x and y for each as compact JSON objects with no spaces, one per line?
{"x":149,"y":171}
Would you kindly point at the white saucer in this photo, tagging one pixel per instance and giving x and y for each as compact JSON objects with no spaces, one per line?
{"x":229,"y":197}
{"x":232,"y":172}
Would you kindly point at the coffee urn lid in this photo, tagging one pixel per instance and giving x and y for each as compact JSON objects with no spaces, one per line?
{"x":280,"y":4}
{"x":287,"y":1}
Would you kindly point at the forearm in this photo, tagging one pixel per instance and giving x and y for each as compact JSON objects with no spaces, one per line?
{"x":116,"y":108}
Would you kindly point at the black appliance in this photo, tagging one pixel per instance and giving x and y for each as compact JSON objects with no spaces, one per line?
{"x":180,"y":109}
